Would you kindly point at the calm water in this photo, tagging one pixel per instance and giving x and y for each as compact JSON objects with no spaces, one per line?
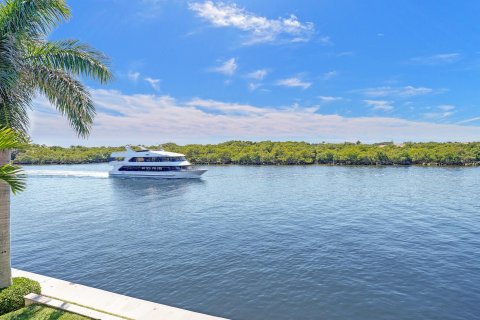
{"x":263,"y":242}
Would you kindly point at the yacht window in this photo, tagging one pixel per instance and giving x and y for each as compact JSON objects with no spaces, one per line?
{"x":157,"y":159}
{"x":154,"y":168}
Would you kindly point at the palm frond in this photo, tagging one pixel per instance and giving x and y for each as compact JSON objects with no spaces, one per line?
{"x":9,"y":139}
{"x":68,"y":95}
{"x":33,"y":17}
{"x":29,"y":63}
{"x":14,"y":105}
{"x":10,"y":175}
{"x":11,"y":63}
{"x":71,"y":56}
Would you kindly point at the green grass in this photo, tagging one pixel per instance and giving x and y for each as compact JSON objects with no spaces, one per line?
{"x":36,"y":312}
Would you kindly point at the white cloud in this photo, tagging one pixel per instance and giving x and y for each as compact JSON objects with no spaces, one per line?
{"x":227,"y":68}
{"x":330,"y":74}
{"x":405,"y":92}
{"x":133,"y":76}
{"x":438,"y":115}
{"x":381,"y":105}
{"x":327,"y":99}
{"x":225,"y":108}
{"x":326,"y":41}
{"x":155,"y":83}
{"x":345,"y":54}
{"x":475,"y":119}
{"x":443,"y":111}
{"x":446,"y":107}
{"x":410,"y":91}
{"x":258,"y":74}
{"x":252,"y":86}
{"x":441,"y":58}
{"x":150,"y":119}
{"x":294,"y":82}
{"x":259,"y":29}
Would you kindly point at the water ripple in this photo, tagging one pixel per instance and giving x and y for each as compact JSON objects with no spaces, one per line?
{"x":263,"y":242}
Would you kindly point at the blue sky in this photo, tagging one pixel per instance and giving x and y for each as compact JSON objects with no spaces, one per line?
{"x":209,"y":71}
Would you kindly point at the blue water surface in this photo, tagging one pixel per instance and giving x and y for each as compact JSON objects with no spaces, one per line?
{"x":280,"y":242}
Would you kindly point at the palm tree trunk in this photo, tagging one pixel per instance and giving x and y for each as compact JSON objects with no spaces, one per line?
{"x":5,"y":267}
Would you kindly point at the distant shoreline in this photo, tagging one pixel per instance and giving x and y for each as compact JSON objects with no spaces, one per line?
{"x":426,"y":165}
{"x":277,"y":153}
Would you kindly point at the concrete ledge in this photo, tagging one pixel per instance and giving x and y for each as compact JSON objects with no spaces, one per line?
{"x":109,"y":302}
{"x":34,"y":298}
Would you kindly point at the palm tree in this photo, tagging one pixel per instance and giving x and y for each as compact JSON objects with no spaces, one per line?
{"x":8,"y":180}
{"x":30,"y":64}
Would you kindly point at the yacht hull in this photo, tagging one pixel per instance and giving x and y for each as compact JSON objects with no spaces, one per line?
{"x":187,"y":174}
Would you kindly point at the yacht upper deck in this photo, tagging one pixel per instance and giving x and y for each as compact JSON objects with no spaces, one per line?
{"x":146,"y":155}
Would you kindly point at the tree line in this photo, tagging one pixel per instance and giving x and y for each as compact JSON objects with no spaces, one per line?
{"x":276,"y":153}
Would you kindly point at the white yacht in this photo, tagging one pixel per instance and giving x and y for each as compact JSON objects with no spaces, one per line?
{"x":152,"y":163}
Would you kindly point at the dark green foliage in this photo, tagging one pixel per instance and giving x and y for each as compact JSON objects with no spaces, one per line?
{"x":277,"y":153}
{"x":11,"y":298}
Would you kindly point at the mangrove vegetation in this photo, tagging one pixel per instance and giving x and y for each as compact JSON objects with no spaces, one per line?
{"x":276,"y":153}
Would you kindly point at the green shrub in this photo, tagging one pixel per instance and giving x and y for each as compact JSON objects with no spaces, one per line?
{"x":11,"y":298}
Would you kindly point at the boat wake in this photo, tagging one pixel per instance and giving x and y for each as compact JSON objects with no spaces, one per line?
{"x":66,"y":173}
